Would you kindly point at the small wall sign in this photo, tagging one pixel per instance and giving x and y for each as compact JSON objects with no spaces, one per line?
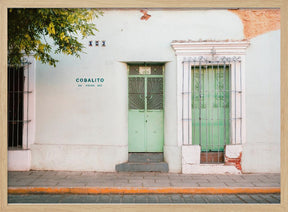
{"x":144,"y":70}
{"x":96,"y":82}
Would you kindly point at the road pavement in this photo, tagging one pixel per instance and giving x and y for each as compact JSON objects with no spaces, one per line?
{"x":146,"y":198}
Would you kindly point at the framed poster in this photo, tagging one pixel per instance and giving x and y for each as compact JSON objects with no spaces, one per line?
{"x":141,"y":80}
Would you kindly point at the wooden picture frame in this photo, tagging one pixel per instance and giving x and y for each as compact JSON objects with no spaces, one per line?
{"x":282,"y":4}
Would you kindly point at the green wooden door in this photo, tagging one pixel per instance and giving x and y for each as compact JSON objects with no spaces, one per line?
{"x":145,"y":115}
{"x":210,"y":107}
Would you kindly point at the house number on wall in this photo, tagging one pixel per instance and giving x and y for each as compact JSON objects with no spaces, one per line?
{"x":97,"y":43}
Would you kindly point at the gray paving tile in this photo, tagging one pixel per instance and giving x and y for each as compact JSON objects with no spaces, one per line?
{"x":27,"y":178}
{"x":256,"y":197}
{"x":117,"y":198}
{"x":219,"y":185}
{"x":76,"y":199}
{"x":162,"y":184}
{"x":124,"y":173}
{"x":266,"y":198}
{"x":63,"y":185}
{"x":116,"y":184}
{"x":262,"y":179}
{"x":104,"y":199}
{"x":175,"y":178}
{"x":234,"y":199}
{"x":199,"y":199}
{"x":152,"y":199}
{"x":31,"y":199}
{"x":11,"y":182}
{"x":22,"y":183}
{"x":272,"y":175}
{"x":147,"y":177}
{"x":195,"y":181}
{"x":269,"y":199}
{"x":143,"y":174}
{"x":141,"y":199}
{"x":45,"y":173}
{"x":188,"y":198}
{"x":230,"y":180}
{"x":114,"y":181}
{"x":184,"y":184}
{"x":175,"y":198}
{"x":246,"y":198}
{"x":148,"y":181}
{"x":73,"y":177}
{"x":267,"y":184}
{"x":135,"y":181}
{"x":128,"y":199}
{"x":20,"y":186}
{"x":212,"y":199}
{"x":156,"y":185}
{"x":91,"y":181}
{"x":164,"y":199}
{"x":208,"y":178}
{"x":46,"y":183}
{"x":276,"y":196}
{"x":135,"y":178}
{"x":56,"y":177}
{"x":224,"y":199}
{"x":110,"y":178}
{"x":100,"y":184}
{"x":239,"y":184}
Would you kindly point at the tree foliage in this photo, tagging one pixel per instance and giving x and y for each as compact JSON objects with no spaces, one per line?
{"x":29,"y":29}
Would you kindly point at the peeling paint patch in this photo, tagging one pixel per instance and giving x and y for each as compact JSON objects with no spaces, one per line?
{"x":233,"y":156}
{"x":257,"y":22}
{"x":234,"y":161}
{"x":145,"y":16}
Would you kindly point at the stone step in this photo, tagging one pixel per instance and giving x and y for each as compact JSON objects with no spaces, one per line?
{"x":145,"y":157}
{"x":142,"y":167}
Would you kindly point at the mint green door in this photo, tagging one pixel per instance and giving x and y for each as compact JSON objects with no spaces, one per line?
{"x":210,"y":107}
{"x":145,"y":115}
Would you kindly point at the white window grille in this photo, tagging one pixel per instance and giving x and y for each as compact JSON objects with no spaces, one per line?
{"x":201,"y":118}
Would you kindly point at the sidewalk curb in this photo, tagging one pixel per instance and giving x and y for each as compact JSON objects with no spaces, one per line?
{"x":141,"y":190}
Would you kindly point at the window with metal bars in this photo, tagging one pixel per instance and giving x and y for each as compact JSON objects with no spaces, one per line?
{"x":212,"y":105}
{"x":18,"y":105}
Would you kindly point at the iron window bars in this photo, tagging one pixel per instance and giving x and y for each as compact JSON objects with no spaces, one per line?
{"x":212,"y":104}
{"x":18,"y":105}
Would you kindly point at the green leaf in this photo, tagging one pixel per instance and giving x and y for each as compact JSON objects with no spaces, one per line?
{"x":29,"y":30}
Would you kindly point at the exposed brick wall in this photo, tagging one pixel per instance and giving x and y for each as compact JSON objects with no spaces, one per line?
{"x":234,"y":161}
{"x":258,"y":21}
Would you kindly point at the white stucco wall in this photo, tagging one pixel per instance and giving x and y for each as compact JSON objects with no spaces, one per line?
{"x":97,"y":118}
{"x":19,"y":160}
{"x":261,"y":152}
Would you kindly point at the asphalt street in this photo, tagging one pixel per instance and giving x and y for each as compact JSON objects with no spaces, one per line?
{"x":146,"y":199}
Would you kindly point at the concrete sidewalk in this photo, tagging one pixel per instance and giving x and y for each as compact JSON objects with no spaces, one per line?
{"x":63,"y":182}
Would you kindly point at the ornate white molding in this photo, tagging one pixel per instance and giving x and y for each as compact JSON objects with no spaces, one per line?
{"x":192,"y":53}
{"x":209,"y":48}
